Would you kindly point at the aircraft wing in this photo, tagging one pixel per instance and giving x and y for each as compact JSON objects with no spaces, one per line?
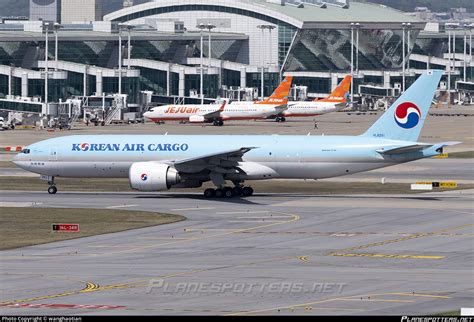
{"x":215,"y":114}
{"x":221,"y":162}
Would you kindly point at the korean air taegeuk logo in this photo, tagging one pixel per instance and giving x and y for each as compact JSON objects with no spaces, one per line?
{"x":407,"y":115}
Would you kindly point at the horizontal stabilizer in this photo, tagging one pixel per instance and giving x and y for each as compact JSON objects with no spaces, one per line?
{"x":405,"y":149}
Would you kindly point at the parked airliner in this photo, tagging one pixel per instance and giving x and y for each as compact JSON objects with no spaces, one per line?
{"x":218,"y":113}
{"x":336,"y":101}
{"x":162,"y":162}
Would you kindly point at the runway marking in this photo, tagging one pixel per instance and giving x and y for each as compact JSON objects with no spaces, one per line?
{"x":92,"y":287}
{"x":262,"y":217}
{"x":388,"y":256}
{"x":376,"y":300}
{"x":254,"y":221}
{"x":243,"y":212}
{"x":121,"y":206}
{"x":191,"y":209}
{"x":222,"y":234}
{"x":422,"y":295}
{"x":89,"y":288}
{"x":303,"y":258}
{"x":392,"y":241}
{"x":62,"y":306}
{"x":162,"y":238}
{"x":354,"y":298}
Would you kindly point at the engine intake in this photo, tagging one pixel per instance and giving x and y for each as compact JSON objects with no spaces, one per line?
{"x":152,"y":176}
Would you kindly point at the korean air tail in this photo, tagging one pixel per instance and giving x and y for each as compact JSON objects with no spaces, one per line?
{"x":280,"y":94}
{"x":405,"y":118}
{"x":341,"y":93}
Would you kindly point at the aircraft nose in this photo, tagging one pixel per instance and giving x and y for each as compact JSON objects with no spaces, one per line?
{"x":16,"y":159}
{"x":147,"y":114}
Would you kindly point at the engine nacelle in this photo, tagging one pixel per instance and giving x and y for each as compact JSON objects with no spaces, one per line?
{"x":197,"y":119}
{"x":152,"y":176}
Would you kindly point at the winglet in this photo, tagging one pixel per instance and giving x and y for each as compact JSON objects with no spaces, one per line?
{"x":279,"y":96}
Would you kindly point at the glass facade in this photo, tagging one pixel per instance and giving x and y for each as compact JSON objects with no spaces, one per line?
{"x":271,"y":81}
{"x":330,"y":50}
{"x":210,"y":86}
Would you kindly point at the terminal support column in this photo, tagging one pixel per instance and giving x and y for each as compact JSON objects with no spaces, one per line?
{"x":85,"y":81}
{"x":243,"y":77}
{"x":181,"y":82}
{"x":334,"y":81}
{"x":24,"y":85}
{"x":10,"y":71}
{"x":98,"y":83}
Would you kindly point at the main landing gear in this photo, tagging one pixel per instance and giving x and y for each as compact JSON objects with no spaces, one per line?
{"x":228,"y":192}
{"x":52,"y":187}
{"x":218,"y":123}
{"x":279,"y":119}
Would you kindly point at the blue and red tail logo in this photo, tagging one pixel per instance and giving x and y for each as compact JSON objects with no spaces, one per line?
{"x":144,"y":177}
{"x":407,"y":115}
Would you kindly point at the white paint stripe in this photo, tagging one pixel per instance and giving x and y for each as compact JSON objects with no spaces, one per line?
{"x":257,"y":221}
{"x":241,"y":212}
{"x":121,"y":206}
{"x":263,"y":217}
{"x":191,"y":209}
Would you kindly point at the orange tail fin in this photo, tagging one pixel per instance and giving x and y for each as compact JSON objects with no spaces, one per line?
{"x":280,"y":94}
{"x":340,"y":92}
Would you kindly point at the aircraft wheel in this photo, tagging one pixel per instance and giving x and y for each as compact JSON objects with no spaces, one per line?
{"x":247,"y":191}
{"x":237,"y":191}
{"x":221,"y":123}
{"x":215,"y":123}
{"x":228,"y":192}
{"x":52,"y":190}
{"x":219,"y":193}
{"x":282,"y":119}
{"x":209,"y":193}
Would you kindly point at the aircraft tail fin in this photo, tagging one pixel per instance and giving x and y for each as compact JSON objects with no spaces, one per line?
{"x":405,"y":118}
{"x":279,"y":96}
{"x":341,"y":92}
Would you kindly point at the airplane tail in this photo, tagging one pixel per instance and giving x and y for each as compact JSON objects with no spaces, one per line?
{"x":341,"y":93}
{"x":279,"y":96}
{"x":405,"y":118}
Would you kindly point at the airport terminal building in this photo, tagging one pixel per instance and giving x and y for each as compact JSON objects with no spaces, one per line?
{"x":242,"y":41}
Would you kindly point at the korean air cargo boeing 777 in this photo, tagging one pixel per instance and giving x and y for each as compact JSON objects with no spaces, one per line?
{"x":162,"y":162}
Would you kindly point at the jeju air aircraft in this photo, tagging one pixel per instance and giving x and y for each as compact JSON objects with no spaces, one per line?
{"x":162,"y":162}
{"x":218,"y":113}
{"x":336,"y":101}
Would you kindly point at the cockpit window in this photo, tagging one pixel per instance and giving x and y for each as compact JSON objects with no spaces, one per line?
{"x":26,"y":151}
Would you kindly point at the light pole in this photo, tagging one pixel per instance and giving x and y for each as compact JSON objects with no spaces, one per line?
{"x":201,"y":27}
{"x":357,"y":27}
{"x":209,"y":27}
{"x":404,"y":25}
{"x":129,"y":49}
{"x":262,"y":68}
{"x":409,"y":26}
{"x":120,"y":61}
{"x":465,"y":51}
{"x":56,"y":26}
{"x":46,"y":71}
{"x":451,"y":27}
{"x":352,"y":61}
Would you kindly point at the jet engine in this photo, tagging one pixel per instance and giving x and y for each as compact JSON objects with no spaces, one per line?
{"x":152,"y":176}
{"x":197,"y":119}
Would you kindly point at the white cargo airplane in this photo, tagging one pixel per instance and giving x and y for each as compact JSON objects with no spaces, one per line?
{"x":162,"y":162}
{"x":336,"y":101}
{"x":218,"y":113}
